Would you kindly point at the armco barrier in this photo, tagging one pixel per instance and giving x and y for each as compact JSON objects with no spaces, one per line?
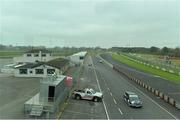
{"x":149,"y":88}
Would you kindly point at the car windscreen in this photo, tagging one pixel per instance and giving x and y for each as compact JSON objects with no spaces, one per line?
{"x":133,"y":97}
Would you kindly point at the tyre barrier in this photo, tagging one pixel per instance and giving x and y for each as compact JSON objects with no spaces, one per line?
{"x":164,"y":97}
{"x":152,"y":90}
{"x":149,"y":88}
{"x":156,"y":92}
{"x":143,"y":85}
{"x":172,"y":101}
{"x":146,"y":86}
{"x":161,"y":95}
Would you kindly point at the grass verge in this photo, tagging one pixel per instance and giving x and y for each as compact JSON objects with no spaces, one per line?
{"x":144,"y":68}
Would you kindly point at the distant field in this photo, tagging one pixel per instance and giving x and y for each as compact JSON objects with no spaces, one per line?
{"x":175,"y":61}
{"x":168,"y":76}
{"x":4,"y":54}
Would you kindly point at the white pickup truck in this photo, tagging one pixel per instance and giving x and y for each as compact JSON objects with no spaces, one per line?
{"x":88,"y":94}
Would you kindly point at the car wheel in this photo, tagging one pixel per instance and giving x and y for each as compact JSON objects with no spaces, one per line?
{"x":78,"y":97}
{"x":96,"y":99}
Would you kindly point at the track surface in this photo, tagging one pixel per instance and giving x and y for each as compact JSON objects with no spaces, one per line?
{"x":102,"y":78}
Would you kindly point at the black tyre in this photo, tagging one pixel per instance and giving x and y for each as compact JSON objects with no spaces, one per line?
{"x":96,"y":99}
{"x":78,"y":97}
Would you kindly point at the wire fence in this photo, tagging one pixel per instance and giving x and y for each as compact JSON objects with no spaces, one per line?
{"x":155,"y":63}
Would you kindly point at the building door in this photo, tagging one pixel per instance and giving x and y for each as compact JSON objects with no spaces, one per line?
{"x":51,"y":93}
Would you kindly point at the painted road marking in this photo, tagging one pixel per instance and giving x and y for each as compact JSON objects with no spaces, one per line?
{"x":107,"y":115}
{"x":153,"y":101}
{"x":114,"y":101}
{"x":110,"y":93}
{"x":120,"y":111}
{"x":108,"y":89}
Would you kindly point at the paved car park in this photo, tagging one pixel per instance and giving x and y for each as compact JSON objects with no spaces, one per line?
{"x":14,"y":92}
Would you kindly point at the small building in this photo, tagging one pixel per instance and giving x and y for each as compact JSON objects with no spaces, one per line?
{"x":42,"y":69}
{"x":78,"y":58}
{"x":47,"y":103}
{"x":34,"y":55}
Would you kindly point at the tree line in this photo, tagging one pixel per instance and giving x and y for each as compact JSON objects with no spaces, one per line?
{"x":173,"y":52}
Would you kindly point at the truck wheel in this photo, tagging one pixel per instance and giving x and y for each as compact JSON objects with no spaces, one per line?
{"x":96,"y":99}
{"x":78,"y":97}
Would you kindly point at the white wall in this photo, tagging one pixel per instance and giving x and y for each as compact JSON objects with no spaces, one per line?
{"x":45,"y":67}
{"x":32,"y":58}
{"x":75,"y":59}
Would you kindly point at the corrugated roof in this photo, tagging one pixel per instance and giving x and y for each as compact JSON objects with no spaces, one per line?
{"x":37,"y":51}
{"x":57,"y":63}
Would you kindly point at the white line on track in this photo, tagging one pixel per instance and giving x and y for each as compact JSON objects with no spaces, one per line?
{"x":107,"y":115}
{"x":108,"y":89}
{"x":153,"y":101}
{"x":114,"y":101}
{"x":120,"y":111}
{"x":110,"y":93}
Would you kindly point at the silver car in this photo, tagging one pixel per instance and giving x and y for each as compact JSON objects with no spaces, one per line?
{"x":132,"y":99}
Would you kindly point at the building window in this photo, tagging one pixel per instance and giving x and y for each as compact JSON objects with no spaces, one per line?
{"x":43,"y":55}
{"x":81,"y":57}
{"x":31,"y":71}
{"x":50,"y":71}
{"x":36,"y":55}
{"x":22,"y":71}
{"x":39,"y":71}
{"x":28,"y":55}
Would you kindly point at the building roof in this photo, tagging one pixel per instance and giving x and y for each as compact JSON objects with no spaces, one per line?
{"x":57,"y":63}
{"x":38,"y":50}
{"x":29,"y":65}
{"x":80,"y":54}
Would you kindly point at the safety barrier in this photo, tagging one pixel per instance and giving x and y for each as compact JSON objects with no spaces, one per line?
{"x":164,"y":97}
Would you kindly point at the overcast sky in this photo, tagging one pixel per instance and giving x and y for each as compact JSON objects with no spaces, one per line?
{"x":89,"y":23}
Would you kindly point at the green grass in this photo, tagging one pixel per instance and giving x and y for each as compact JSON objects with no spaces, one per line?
{"x":129,"y":62}
{"x":176,"y":62}
{"x":4,"y":54}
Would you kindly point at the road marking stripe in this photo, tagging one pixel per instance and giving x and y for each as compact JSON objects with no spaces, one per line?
{"x":114,"y":101}
{"x":120,"y":111}
{"x":110,"y":93}
{"x":108,"y":89}
{"x":100,"y":90}
{"x":153,"y":101}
